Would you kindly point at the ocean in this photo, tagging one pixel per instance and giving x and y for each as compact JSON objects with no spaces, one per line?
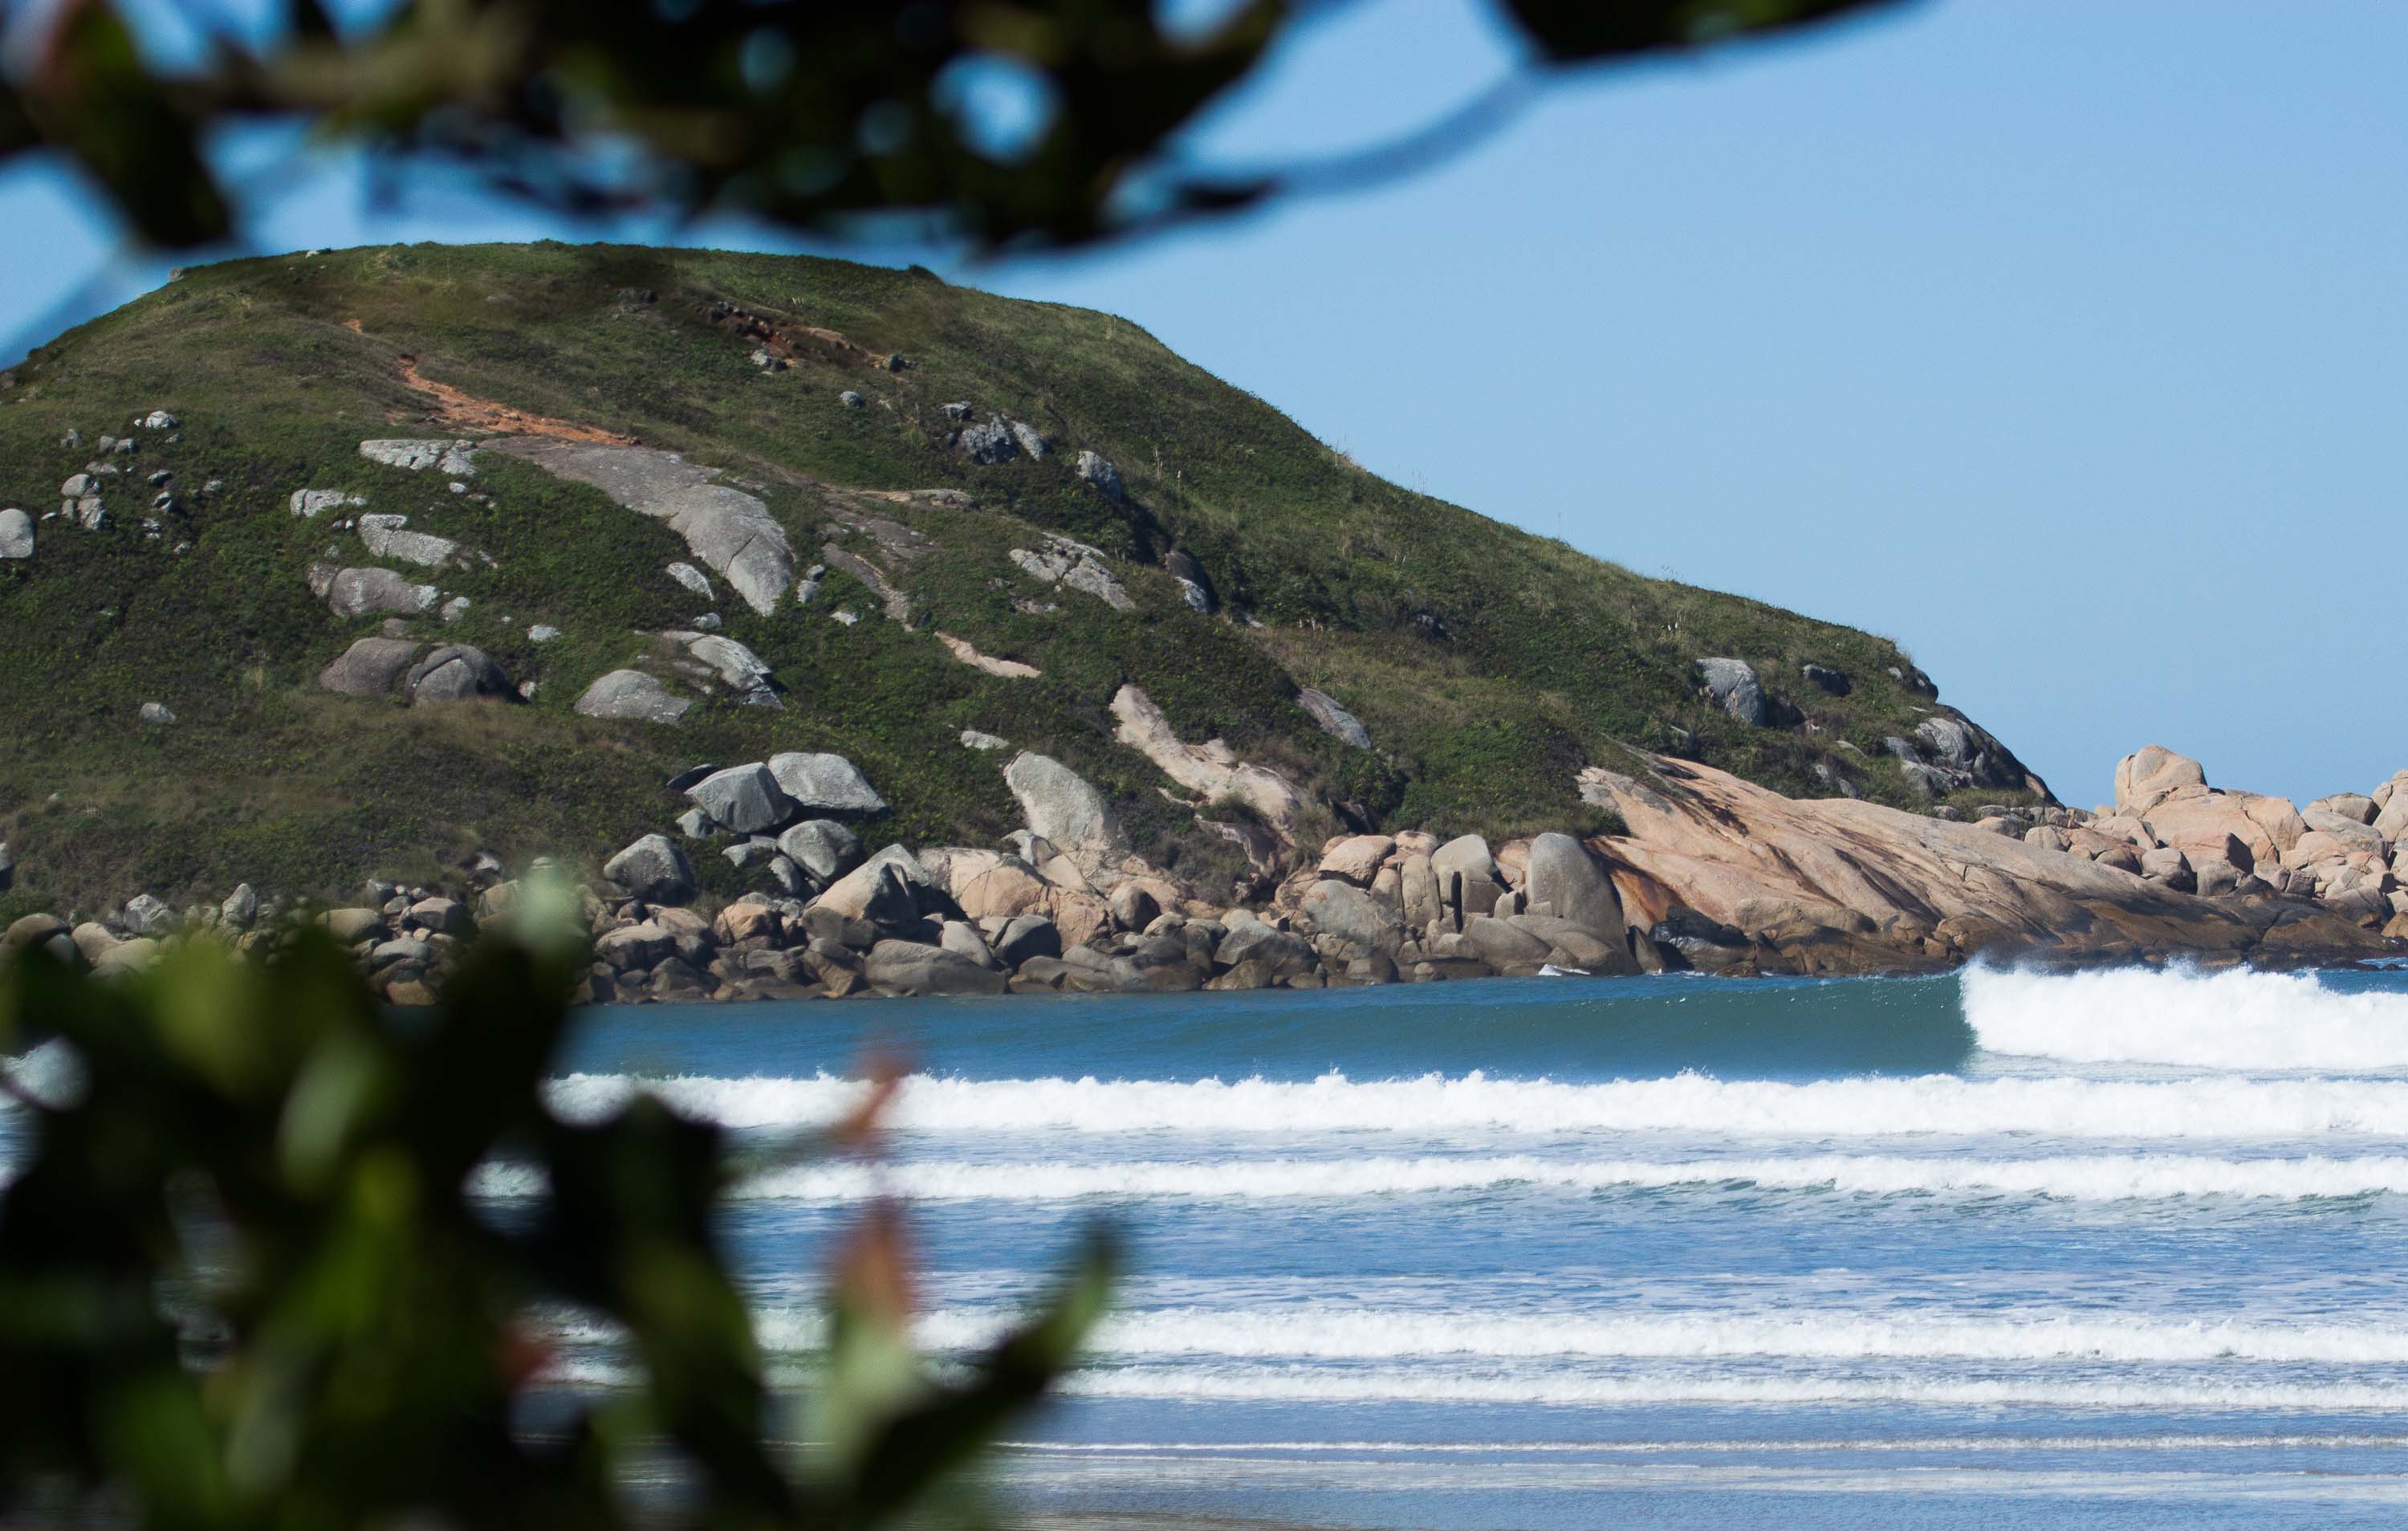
{"x":2124,"y":1248}
{"x":2110,"y":1250}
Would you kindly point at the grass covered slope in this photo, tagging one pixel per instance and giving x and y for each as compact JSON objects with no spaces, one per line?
{"x":1488,"y":664}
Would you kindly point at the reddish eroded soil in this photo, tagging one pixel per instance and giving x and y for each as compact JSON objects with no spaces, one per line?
{"x":469,"y":415}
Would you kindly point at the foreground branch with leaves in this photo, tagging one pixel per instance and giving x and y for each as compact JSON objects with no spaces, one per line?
{"x":244,"y":1280}
{"x":994,"y":122}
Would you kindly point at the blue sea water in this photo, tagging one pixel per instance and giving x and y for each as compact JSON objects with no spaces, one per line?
{"x":2114,"y":1249}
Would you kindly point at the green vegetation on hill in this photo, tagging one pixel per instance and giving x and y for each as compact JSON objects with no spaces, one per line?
{"x":1488,"y":664}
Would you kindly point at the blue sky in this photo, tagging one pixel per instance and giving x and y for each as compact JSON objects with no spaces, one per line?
{"x":2062,"y":342}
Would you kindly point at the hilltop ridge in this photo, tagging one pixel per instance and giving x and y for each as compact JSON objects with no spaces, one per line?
{"x":802,"y":505}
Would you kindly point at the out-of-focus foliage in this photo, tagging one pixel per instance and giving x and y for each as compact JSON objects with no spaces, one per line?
{"x":993,"y":121}
{"x":243,"y":1281}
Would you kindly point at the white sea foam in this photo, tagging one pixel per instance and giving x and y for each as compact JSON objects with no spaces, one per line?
{"x":2234,"y":1019}
{"x":1354,"y":1334}
{"x":1422,"y":1385}
{"x":2234,"y":1109}
{"x":2082,"y":1178}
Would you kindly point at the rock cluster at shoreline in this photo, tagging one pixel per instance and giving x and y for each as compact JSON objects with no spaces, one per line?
{"x":1714,"y":874}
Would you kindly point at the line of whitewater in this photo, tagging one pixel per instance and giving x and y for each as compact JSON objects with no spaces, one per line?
{"x":2075,"y":1177}
{"x":1231,"y":1385}
{"x":1939,"y":1105}
{"x":1324,"y":1333}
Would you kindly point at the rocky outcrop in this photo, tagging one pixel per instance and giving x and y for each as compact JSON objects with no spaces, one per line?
{"x":1212,"y":770}
{"x":730,"y":532}
{"x":1076,"y":566}
{"x":1333,"y":719}
{"x":451,"y":459}
{"x":633,"y":694}
{"x":1841,"y":886}
{"x":1731,"y":685}
{"x":1009,"y":670}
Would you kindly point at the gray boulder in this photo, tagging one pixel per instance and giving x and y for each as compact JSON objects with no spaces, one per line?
{"x":1279,"y":954}
{"x":369,"y":592}
{"x":1059,"y":805}
{"x":16,"y":534}
{"x":692,"y":579}
{"x":1194,"y":587}
{"x":157,"y":713}
{"x":1098,"y":470}
{"x":240,"y":908}
{"x":913,"y":967}
{"x":1567,"y":881}
{"x":369,"y":667}
{"x":1826,"y":680}
{"x":963,"y":940}
{"x":1345,"y":911}
{"x":1335,"y":720}
{"x":825,"y":784}
{"x":823,"y":847}
{"x":745,"y":798}
{"x":8,"y":868}
{"x":990,"y":444}
{"x":633,"y":694}
{"x":454,"y":672}
{"x":1027,"y":937}
{"x":1731,"y":684}
{"x":653,"y":869}
{"x":145,"y":915}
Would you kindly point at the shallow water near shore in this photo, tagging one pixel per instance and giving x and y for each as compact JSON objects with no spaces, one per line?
{"x":2110,"y":1250}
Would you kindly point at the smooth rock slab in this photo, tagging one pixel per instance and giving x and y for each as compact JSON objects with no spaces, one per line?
{"x":826,"y":784}
{"x":731,"y":532}
{"x":633,"y":694}
{"x":451,"y":458}
{"x":1334,"y":720}
{"x":16,"y":534}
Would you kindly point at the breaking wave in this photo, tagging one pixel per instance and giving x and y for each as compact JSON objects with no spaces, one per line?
{"x":1436,"y":1105}
{"x":2075,"y":1178}
{"x":2234,"y":1019}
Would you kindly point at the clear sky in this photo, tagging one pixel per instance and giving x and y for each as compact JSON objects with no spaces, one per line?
{"x":2063,"y":342}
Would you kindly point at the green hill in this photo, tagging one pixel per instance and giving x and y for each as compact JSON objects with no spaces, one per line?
{"x":1487,"y":665}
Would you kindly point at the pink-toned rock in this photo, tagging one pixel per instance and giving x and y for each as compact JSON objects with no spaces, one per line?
{"x":2316,"y":848}
{"x":1079,"y":917}
{"x":2210,"y":826}
{"x":1004,"y":890}
{"x":1356,"y":857}
{"x":2355,"y":807}
{"x":2148,"y":777}
{"x":1513,"y":862}
{"x":1836,"y":885}
{"x":744,"y":922}
{"x":1416,"y":842}
{"x":2127,"y":828}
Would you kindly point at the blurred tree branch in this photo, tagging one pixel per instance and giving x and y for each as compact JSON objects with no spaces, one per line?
{"x":831,"y":119}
